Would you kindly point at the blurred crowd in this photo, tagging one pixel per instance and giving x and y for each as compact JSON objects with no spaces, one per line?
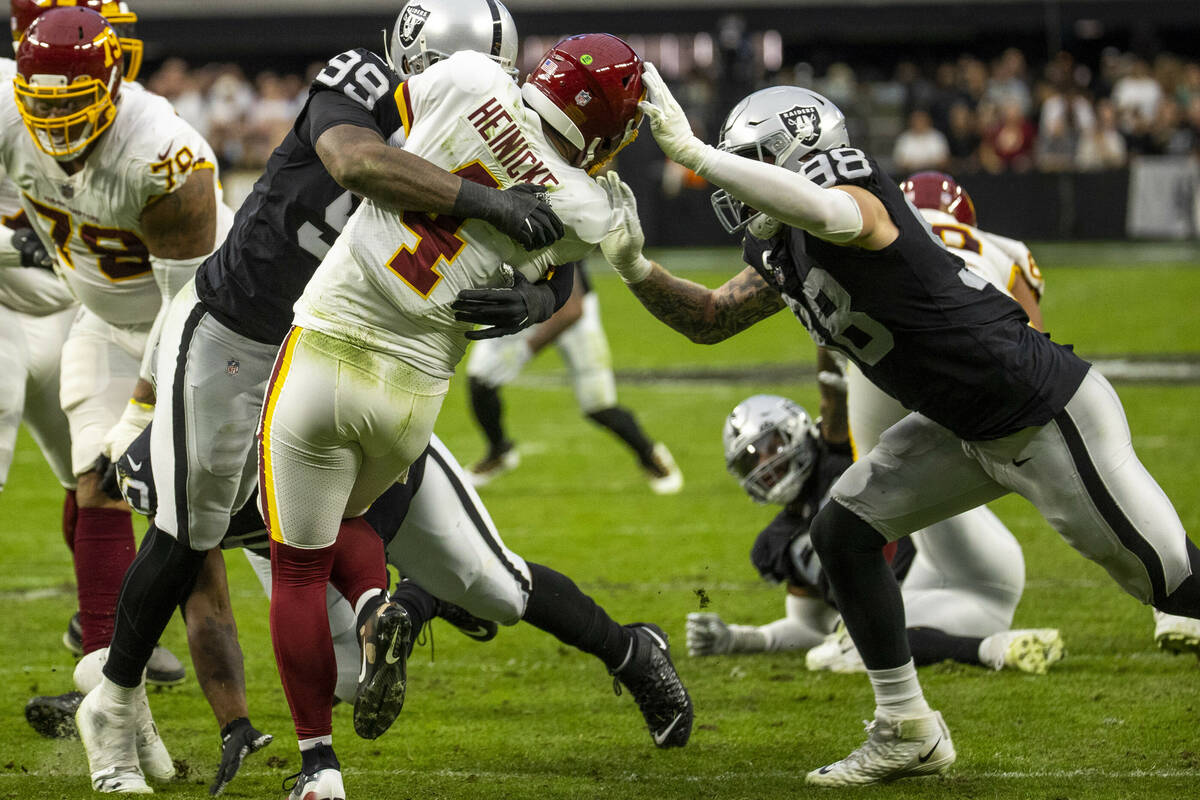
{"x":963,"y":116}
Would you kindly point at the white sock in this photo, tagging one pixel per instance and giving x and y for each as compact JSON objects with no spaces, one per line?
{"x":309,"y":744}
{"x":897,"y":692}
{"x":362,"y":600}
{"x":116,"y":694}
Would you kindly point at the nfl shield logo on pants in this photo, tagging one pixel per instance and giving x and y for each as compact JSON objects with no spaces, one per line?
{"x":231,"y":367}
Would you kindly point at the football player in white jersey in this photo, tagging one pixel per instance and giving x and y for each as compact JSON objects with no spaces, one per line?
{"x":124,"y":196}
{"x":361,"y":376}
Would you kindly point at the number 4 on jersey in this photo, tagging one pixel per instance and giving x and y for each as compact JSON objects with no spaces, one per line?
{"x":437,"y":239}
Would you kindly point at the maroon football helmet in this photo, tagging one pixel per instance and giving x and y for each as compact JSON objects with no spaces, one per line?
{"x":587,"y":88}
{"x":69,"y":69}
{"x":117,"y":12}
{"x":939,"y":191}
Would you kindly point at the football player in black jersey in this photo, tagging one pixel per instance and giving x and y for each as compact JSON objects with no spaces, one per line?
{"x":999,"y":407}
{"x":961,"y":583}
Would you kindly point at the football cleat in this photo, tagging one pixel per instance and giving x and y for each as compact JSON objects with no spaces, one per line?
{"x":649,"y":675}
{"x":152,"y":754}
{"x":320,"y":777}
{"x":1032,"y":650}
{"x":836,"y":654}
{"x":471,"y":626}
{"x":1177,"y":634}
{"x":108,"y":732}
{"x":493,"y":465}
{"x":662,"y":472}
{"x":163,"y":668}
{"x":385,"y":639}
{"x":894,"y":749}
{"x":53,"y":716}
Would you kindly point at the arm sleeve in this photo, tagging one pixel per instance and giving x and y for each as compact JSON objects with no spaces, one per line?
{"x":787,"y":196}
{"x":329,"y":108}
{"x":808,"y":621}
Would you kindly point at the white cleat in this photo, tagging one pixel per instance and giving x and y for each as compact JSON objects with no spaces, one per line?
{"x":1177,"y":634}
{"x":664,"y":475}
{"x":1031,"y":650}
{"x":108,"y":732}
{"x":151,"y":752}
{"x":836,"y":654}
{"x":894,"y":749}
{"x":492,"y":466}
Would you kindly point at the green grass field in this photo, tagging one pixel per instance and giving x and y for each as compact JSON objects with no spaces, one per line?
{"x":524,"y":717}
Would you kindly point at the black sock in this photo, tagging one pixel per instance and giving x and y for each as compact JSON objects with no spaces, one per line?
{"x":557,"y":606}
{"x":420,"y":604}
{"x":156,"y":582}
{"x":851,"y":552}
{"x":622,"y":423}
{"x":929,"y":646}
{"x":489,"y":412}
{"x":1185,"y":600}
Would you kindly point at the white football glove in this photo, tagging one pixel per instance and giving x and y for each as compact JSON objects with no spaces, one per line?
{"x":622,"y":247}
{"x":133,"y":421}
{"x":669,"y":123}
{"x":509,"y":355}
{"x":708,"y":635}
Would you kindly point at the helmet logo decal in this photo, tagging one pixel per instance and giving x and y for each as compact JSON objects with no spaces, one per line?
{"x":583,"y":98}
{"x":803,"y":121}
{"x":411,"y":24}
{"x":549,"y":67}
{"x":585,"y":59}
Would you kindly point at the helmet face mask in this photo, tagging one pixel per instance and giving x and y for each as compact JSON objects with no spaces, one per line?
{"x":940,"y":192}
{"x":586,"y":88}
{"x":69,"y":69}
{"x":116,"y":12}
{"x":780,"y":125}
{"x":427,"y":31}
{"x":770,"y":448}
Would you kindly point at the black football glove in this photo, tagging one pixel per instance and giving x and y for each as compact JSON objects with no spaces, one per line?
{"x":507,"y":310}
{"x":238,"y":740}
{"x":33,"y":253}
{"x":110,"y":482}
{"x":520,"y":212}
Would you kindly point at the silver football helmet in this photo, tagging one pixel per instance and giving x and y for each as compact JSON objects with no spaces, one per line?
{"x":429,"y":30}
{"x":770,"y":447}
{"x":780,"y":125}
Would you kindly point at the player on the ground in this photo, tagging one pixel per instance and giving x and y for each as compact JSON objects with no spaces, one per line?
{"x":124,"y":195}
{"x":999,"y":406}
{"x":961,"y":582}
{"x":578,"y":334}
{"x":375,"y":335}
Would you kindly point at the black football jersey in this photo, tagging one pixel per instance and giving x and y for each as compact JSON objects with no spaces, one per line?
{"x":922,"y":327}
{"x":296,"y":210}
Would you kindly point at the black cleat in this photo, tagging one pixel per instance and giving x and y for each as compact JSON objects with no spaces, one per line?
{"x":385,"y":639}
{"x":650,"y":677}
{"x":53,"y":716}
{"x":471,"y":626}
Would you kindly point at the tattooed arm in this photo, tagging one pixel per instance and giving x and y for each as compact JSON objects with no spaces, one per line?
{"x":704,"y":315}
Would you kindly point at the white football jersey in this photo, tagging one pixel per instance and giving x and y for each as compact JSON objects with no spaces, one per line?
{"x":388,"y":281}
{"x":30,"y":291}
{"x":996,"y":259}
{"x":91,"y":220}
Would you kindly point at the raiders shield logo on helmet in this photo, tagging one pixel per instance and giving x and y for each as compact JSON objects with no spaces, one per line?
{"x":803,"y":121}
{"x":412,"y":23}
